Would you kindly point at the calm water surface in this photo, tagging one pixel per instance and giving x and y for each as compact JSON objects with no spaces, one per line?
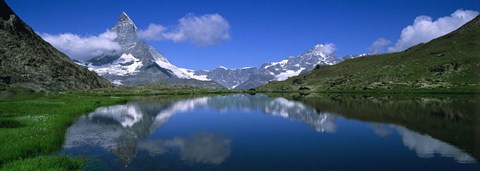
{"x":257,"y":132}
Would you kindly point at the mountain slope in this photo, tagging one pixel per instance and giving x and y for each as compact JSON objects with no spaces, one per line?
{"x":139,"y":63}
{"x":26,"y":60}
{"x":450,"y":62}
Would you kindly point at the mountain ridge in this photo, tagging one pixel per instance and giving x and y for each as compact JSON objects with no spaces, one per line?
{"x":251,"y":77}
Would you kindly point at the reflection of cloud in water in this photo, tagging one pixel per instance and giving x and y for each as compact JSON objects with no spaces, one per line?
{"x":204,"y":148}
{"x":282,"y":107}
{"x":380,"y":129}
{"x":424,"y":145}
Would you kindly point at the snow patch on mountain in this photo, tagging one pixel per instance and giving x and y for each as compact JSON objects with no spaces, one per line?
{"x":117,"y":82}
{"x":281,"y":63}
{"x":193,"y":75}
{"x":287,"y":74}
{"x":164,"y":63}
{"x":126,"y":64}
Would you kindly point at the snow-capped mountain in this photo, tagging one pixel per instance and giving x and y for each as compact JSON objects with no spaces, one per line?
{"x":137,"y":62}
{"x":292,"y":66}
{"x":251,"y":77}
{"x":229,"y":78}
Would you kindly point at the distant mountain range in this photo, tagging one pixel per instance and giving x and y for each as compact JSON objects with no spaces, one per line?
{"x":27,"y":61}
{"x":292,"y":66}
{"x":448,"y":63}
{"x":251,"y":77}
{"x":139,"y":63}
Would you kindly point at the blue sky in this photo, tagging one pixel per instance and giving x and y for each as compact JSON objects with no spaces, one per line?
{"x":260,"y":31}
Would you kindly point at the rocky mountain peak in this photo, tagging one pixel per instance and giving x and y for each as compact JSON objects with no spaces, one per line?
{"x":5,"y":12}
{"x":321,"y":50}
{"x":126,"y":31}
{"x":124,"y":17}
{"x":125,"y":21}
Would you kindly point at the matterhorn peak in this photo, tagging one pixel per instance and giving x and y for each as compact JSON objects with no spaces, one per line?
{"x":125,"y":24}
{"x":126,"y":31}
{"x":124,"y":17}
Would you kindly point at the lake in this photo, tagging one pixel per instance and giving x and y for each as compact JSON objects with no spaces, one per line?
{"x":292,"y":132}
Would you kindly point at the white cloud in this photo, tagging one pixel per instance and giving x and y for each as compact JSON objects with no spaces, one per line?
{"x":153,"y":32}
{"x":328,"y":49}
{"x":83,"y":48}
{"x":204,"y":30}
{"x":424,"y":29}
{"x":206,"y":148}
{"x":379,"y":45}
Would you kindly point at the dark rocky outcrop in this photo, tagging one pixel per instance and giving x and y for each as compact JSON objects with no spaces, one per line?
{"x":27,"y":61}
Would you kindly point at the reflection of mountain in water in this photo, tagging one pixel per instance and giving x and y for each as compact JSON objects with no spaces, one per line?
{"x":288,"y":109}
{"x":117,"y":129}
{"x":121,"y":129}
{"x":451,"y":119}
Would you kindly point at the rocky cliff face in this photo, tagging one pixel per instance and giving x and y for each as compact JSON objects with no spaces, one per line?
{"x":26,"y":60}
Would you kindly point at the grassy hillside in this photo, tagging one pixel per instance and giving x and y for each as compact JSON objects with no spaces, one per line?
{"x":450,"y":63}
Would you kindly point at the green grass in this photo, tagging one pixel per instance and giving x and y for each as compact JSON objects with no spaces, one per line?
{"x":34,"y":125}
{"x":160,"y":89}
{"x":46,"y":163}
